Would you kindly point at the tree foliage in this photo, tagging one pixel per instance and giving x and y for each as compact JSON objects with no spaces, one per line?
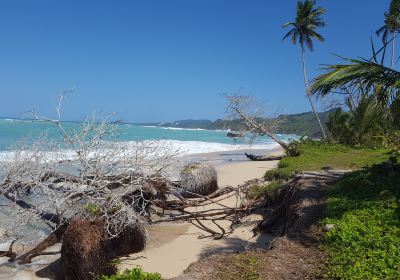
{"x":308,"y":19}
{"x":362,"y":124}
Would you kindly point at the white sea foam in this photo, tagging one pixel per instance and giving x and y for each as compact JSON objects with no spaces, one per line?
{"x":198,"y":147}
{"x":180,"y":128}
{"x":174,"y":128}
{"x":184,"y":148}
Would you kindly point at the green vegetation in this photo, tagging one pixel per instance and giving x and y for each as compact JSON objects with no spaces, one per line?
{"x":267,"y":192}
{"x":134,"y":274}
{"x":300,"y":124}
{"x":316,"y":155}
{"x":364,"y":124}
{"x":363,"y":207}
{"x":93,"y":209}
{"x":365,"y":241}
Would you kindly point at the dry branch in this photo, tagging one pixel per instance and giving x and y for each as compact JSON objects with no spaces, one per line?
{"x":251,"y":113}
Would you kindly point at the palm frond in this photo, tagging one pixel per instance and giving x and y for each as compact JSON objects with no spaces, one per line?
{"x":383,"y":33}
{"x":289,"y":34}
{"x":289,"y":24}
{"x":357,"y":73}
{"x":317,"y":36}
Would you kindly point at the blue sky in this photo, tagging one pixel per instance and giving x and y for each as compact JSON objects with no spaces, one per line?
{"x":166,"y":60}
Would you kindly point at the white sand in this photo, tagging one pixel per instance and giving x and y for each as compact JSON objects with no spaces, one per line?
{"x":170,"y":255}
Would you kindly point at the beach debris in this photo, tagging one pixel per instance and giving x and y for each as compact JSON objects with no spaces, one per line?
{"x":86,"y":251}
{"x":85,"y":173}
{"x":198,"y":179}
{"x":82,"y":256}
{"x":207,"y":212}
{"x":262,"y":158}
{"x":9,"y":253}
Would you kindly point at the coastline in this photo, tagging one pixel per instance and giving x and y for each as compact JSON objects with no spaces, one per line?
{"x":173,"y":247}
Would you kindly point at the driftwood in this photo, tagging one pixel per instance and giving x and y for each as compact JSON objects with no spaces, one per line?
{"x":262,"y":158}
{"x":234,"y":135}
{"x":182,"y":209}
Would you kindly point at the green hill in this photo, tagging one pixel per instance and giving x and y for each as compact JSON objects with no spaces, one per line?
{"x":300,"y":124}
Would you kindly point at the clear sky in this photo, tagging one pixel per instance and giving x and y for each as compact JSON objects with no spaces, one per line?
{"x":169,"y":59}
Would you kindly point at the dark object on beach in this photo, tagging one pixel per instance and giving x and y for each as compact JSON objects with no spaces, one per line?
{"x":86,"y":253}
{"x":82,"y":254}
{"x":131,"y":240}
{"x":198,"y":179}
{"x":262,"y":158}
{"x":234,"y":135}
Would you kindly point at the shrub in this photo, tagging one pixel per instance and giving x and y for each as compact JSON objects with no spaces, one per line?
{"x":277,"y":174}
{"x":360,"y":125}
{"x":293,"y":149}
{"x":267,"y":191}
{"x":134,"y":274}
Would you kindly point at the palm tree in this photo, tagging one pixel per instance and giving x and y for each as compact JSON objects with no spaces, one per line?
{"x":308,"y":19}
{"x":392,"y":26}
{"x":360,"y":124}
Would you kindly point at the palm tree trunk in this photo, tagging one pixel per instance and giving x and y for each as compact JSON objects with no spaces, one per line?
{"x":393,"y":46}
{"x":308,"y":92}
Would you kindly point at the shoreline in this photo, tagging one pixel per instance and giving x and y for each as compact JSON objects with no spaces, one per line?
{"x":173,"y":247}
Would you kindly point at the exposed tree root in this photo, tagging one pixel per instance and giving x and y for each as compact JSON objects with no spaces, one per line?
{"x":54,"y":238}
{"x":9,"y":253}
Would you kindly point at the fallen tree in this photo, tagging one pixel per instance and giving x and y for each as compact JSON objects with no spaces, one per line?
{"x":85,"y":174}
{"x":252,"y":114}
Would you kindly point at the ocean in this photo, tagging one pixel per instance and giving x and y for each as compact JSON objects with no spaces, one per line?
{"x":190,"y":141}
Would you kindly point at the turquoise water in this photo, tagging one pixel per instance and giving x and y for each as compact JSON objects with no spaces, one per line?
{"x":194,"y":140}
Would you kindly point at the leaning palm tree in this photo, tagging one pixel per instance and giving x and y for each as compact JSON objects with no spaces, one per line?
{"x":392,"y":26}
{"x":308,"y":19}
{"x":379,"y":80}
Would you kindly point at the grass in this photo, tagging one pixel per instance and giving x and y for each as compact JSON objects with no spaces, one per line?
{"x":365,"y":242}
{"x":316,"y":156}
{"x":243,"y":266}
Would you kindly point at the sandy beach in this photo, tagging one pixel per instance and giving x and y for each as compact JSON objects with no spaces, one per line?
{"x":173,"y":247}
